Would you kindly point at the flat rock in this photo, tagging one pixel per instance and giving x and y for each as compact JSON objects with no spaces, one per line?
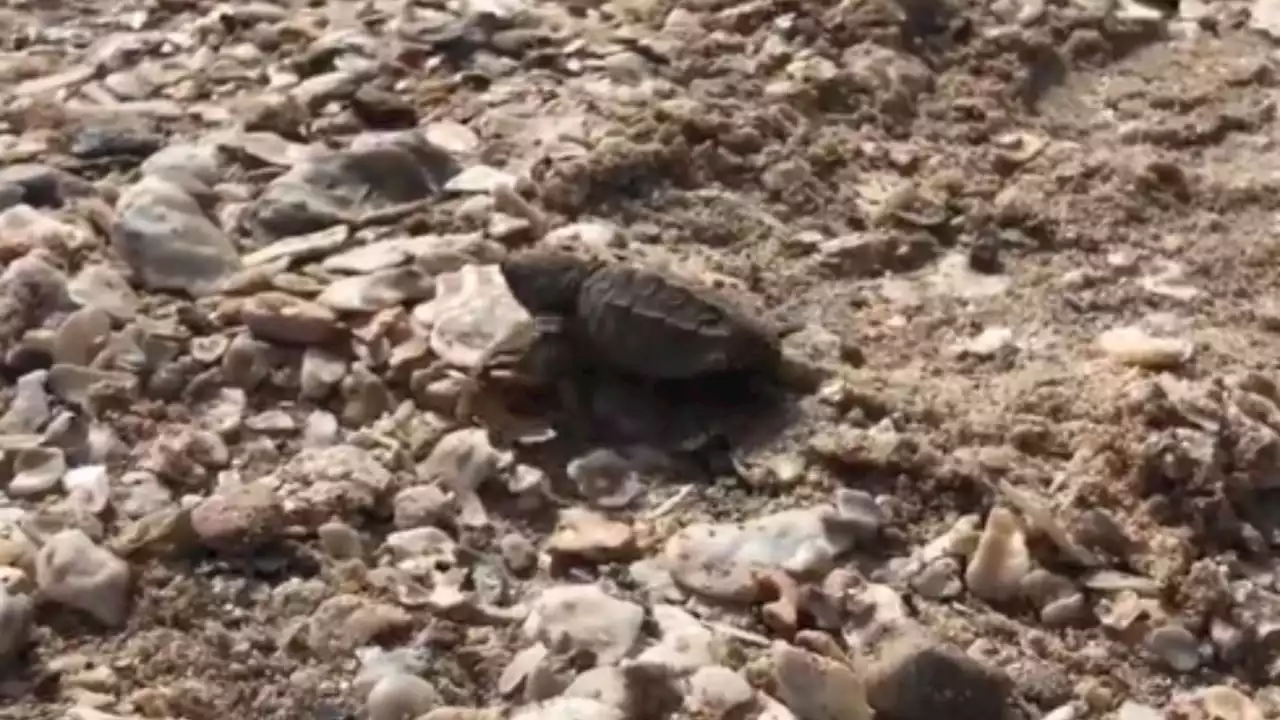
{"x":36,"y":471}
{"x":369,"y":258}
{"x":379,"y":290}
{"x":265,"y":146}
{"x":164,"y":236}
{"x":587,"y":535}
{"x":1133,"y":345}
{"x":202,"y":161}
{"x":452,"y":136}
{"x":336,"y":187}
{"x":84,"y":712}
{"x":280,"y":317}
{"x":479,"y":179}
{"x":585,"y":618}
{"x":434,"y":254}
{"x":74,"y":571}
{"x":722,"y":560}
{"x":101,"y":287}
{"x":301,"y":247}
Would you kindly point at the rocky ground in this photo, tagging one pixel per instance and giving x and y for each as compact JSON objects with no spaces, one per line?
{"x":258,"y":459}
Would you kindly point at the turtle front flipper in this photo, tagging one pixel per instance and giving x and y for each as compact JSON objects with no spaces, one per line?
{"x":557,"y":362}
{"x":473,"y":383}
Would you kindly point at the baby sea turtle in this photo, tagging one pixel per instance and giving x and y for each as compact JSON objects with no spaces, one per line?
{"x":638,"y":320}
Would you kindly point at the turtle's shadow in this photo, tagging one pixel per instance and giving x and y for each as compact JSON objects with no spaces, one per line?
{"x":729,"y":411}
{"x":705,"y":425}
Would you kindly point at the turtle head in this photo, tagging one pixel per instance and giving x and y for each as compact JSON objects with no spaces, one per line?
{"x":546,"y":282}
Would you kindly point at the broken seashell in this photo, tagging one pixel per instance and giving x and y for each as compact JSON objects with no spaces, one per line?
{"x":1114,"y":581}
{"x":1224,"y":703}
{"x":36,"y":471}
{"x":1134,"y":346}
{"x":1002,"y":559}
{"x":88,"y":487}
{"x":1041,"y":516}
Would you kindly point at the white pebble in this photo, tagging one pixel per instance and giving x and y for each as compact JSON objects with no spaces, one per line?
{"x":400,"y":697}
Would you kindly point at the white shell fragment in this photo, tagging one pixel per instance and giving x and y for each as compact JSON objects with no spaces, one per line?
{"x":472,"y":311}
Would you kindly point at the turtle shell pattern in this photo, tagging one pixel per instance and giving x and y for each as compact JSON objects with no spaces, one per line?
{"x":655,"y":326}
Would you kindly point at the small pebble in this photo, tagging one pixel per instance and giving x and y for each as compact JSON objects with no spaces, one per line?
{"x":1134,"y":346}
{"x":939,"y":579}
{"x":716,"y":691}
{"x":340,"y":541}
{"x":1175,"y":646}
{"x":519,"y":554}
{"x":858,"y":510}
{"x":1065,"y":611}
{"x":400,"y":697}
{"x":420,"y":506}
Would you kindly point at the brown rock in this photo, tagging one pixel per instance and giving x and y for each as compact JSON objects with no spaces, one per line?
{"x":238,"y":518}
{"x":916,"y":678}
{"x":279,"y":317}
{"x":590,"y":536}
